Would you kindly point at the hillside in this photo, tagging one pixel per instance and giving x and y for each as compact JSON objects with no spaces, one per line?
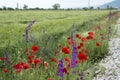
{"x":115,"y":4}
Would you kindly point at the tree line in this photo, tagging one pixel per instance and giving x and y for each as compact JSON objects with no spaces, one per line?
{"x":54,"y":7}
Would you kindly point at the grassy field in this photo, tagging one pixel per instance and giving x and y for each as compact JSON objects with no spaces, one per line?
{"x":13,"y":23}
{"x":50,"y":45}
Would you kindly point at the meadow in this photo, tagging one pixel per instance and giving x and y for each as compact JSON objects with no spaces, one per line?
{"x":13,"y":23}
{"x":68,"y":43}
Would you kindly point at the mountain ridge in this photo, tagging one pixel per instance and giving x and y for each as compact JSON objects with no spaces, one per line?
{"x":114,"y":4}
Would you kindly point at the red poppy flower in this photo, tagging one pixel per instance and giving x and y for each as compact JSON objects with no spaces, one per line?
{"x":29,"y":57}
{"x":81,"y":44}
{"x":26,"y":50}
{"x":73,"y":42}
{"x":86,"y":51}
{"x":33,"y":52}
{"x":34,"y":48}
{"x":78,"y":47}
{"x":49,"y":78}
{"x":17,"y":66}
{"x":68,"y":42}
{"x":67,"y":60}
{"x":68,"y":66}
{"x":68,"y":38}
{"x":89,"y":37}
{"x":2,"y":58}
{"x":98,"y":44}
{"x":30,"y":61}
{"x":90,"y":33}
{"x":52,"y":59}
{"x":21,"y":63}
{"x":64,"y":70}
{"x":5,"y":70}
{"x":77,"y":35}
{"x":83,"y":39}
{"x":101,"y":34}
{"x":18,"y":70}
{"x":37,"y":61}
{"x":76,"y":61}
{"x":65,"y":50}
{"x":25,"y":66}
{"x":82,"y":57}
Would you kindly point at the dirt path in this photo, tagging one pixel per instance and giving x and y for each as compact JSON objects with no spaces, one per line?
{"x":118,"y":27}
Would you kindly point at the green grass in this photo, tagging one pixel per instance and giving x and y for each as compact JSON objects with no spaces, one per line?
{"x":13,"y":23}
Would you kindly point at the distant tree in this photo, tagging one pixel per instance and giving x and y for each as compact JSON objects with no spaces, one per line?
{"x":4,"y":8}
{"x":56,"y":6}
{"x":37,"y":8}
{"x":85,"y":8}
{"x":49,"y":9}
{"x":9,"y":8}
{"x":0,"y":8}
{"x":69,"y":9}
{"x":112,"y":7}
{"x":98,"y":8}
{"x":25,"y":7}
{"x":41,"y":8}
{"x":91,"y":7}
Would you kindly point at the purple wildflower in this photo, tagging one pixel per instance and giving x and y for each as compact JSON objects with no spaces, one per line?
{"x":109,"y":30}
{"x":26,"y":35}
{"x":73,"y":59}
{"x":60,"y":68}
{"x":109,"y":33}
{"x":74,"y":72}
{"x":99,"y":27}
{"x":30,"y":24}
{"x":109,"y":16}
{"x":6,"y":56}
{"x":27,"y":29}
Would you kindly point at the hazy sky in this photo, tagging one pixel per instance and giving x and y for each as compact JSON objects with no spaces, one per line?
{"x":49,"y":3}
